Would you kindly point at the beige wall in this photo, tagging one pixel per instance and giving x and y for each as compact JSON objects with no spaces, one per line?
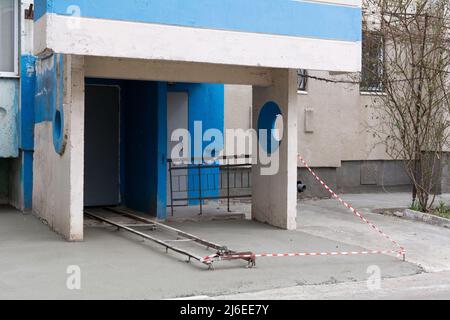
{"x":238,"y":107}
{"x":341,"y":118}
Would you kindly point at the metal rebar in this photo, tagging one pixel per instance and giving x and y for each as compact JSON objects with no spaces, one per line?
{"x":167,"y":228}
{"x":143,"y":235}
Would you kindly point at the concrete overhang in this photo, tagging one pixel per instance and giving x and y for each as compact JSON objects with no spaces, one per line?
{"x":314,"y":35}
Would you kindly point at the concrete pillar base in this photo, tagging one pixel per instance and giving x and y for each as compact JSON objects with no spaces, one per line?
{"x":275,"y":184}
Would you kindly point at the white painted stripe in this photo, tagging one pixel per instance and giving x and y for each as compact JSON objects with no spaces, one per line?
{"x":121,"y":39}
{"x":350,"y":3}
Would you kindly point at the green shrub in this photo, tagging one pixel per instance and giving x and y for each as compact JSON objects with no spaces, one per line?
{"x":443,"y":210}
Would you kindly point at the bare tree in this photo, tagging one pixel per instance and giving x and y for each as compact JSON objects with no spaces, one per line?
{"x":410,"y":69}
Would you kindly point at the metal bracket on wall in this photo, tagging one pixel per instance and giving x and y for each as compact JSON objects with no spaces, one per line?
{"x":29,"y":13}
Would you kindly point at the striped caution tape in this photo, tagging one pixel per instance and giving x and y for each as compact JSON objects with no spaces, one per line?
{"x":400,"y":252}
{"x":298,"y":254}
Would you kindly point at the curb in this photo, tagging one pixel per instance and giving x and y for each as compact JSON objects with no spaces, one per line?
{"x":424,"y":217}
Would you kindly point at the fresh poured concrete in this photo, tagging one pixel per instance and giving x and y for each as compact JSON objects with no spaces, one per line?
{"x":33,"y":259}
{"x":426,"y":245}
{"x":425,"y":286}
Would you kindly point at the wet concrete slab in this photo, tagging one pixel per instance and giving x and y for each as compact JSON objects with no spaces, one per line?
{"x":116,"y":265}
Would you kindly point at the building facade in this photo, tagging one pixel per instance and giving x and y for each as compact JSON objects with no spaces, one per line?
{"x":89,"y":91}
{"x":16,"y":104}
{"x":333,"y":136}
{"x":336,"y":118}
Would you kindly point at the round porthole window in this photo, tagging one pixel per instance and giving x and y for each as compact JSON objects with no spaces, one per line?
{"x":270,"y":127}
{"x":58,"y":128}
{"x":278,"y":128}
{"x":57,"y":125}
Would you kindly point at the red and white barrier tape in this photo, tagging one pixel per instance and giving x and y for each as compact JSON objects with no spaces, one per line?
{"x":300,"y":254}
{"x":400,"y":251}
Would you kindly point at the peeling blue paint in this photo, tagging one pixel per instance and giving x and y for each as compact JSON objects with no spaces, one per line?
{"x":46,"y":84}
{"x":280,"y":17}
{"x":49,"y":97}
{"x":27,"y":88}
{"x":27,"y":120}
{"x":9,"y":118}
{"x":41,"y":7}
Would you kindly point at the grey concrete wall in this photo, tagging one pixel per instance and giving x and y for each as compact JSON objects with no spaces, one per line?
{"x":372,"y":176}
{"x":313,"y":188}
{"x":351,"y":177}
{"x":4,"y":181}
{"x":15,"y":182}
{"x":445,"y":179}
{"x":357,"y":177}
{"x":446,"y":176}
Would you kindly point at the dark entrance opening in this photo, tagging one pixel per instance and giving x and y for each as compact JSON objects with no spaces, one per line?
{"x":102,"y":155}
{"x":123,"y":161}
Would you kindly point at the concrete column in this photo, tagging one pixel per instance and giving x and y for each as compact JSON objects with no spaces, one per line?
{"x":275,"y":193}
{"x":161,"y":161}
{"x":59,"y":145}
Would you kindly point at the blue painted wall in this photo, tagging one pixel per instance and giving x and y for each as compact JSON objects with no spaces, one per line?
{"x":140,"y":101}
{"x":28,"y":88}
{"x":27,"y":116}
{"x":46,"y":89}
{"x":26,"y":177}
{"x":48,"y":102}
{"x":281,"y":17}
{"x":17,"y":124}
{"x":206,"y":104}
{"x":144,"y":137}
{"x":161,"y":157}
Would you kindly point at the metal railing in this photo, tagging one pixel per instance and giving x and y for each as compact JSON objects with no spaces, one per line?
{"x":194,"y":180}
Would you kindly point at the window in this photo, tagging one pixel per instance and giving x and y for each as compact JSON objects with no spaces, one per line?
{"x":9,"y":37}
{"x":302,"y":79}
{"x":373,"y":61}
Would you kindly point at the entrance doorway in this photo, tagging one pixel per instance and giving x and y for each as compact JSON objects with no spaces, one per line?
{"x":102,"y":151}
{"x":177,"y":118}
